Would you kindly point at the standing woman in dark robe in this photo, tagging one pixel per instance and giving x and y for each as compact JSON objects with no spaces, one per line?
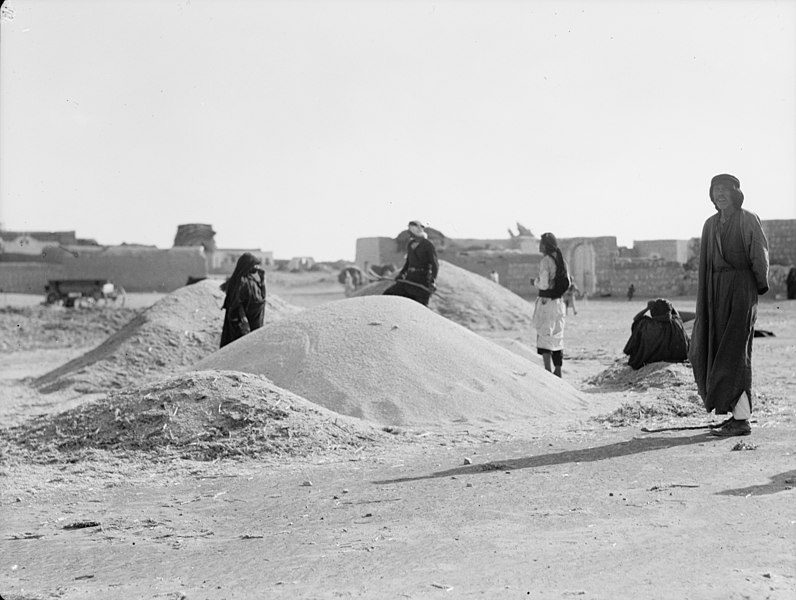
{"x":245,"y":299}
{"x":733,"y":272}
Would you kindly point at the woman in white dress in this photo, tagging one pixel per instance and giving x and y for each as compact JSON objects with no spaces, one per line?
{"x":549,"y":311}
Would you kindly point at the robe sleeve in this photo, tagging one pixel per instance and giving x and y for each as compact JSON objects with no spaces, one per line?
{"x":433,"y":263}
{"x":545,"y":278}
{"x":757,"y":249}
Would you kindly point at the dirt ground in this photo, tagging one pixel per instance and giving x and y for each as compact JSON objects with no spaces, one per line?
{"x":632,"y":499}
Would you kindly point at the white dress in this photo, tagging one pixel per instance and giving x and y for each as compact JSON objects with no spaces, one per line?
{"x":548,"y":313}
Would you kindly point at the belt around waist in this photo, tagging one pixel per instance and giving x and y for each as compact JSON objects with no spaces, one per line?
{"x":416,"y":270}
{"x":725,"y":269}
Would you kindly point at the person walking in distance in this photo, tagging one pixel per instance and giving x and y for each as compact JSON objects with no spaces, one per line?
{"x":416,"y":280}
{"x":549,"y":310}
{"x":569,"y":299}
{"x":244,"y":302}
{"x":733,"y":272}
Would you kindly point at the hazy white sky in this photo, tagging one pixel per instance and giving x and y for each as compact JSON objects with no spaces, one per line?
{"x":300,"y":126}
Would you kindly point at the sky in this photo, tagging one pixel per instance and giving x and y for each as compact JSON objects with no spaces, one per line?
{"x":298,"y":127}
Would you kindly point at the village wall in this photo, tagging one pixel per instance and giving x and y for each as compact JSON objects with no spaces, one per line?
{"x":136,"y":269}
{"x":223,"y":260}
{"x":652,"y":278}
{"x":514,"y":269}
{"x":670,"y":250}
{"x":141,"y":270}
{"x":28,"y":277}
{"x":781,"y":234}
{"x":378,"y":251}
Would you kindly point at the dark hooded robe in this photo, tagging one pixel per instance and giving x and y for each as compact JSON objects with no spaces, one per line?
{"x":733,"y":270}
{"x":245,"y":299}
{"x":658,"y":337}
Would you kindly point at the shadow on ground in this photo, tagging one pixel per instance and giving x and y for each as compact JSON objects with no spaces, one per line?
{"x":634,"y":446}
{"x":778,"y":483}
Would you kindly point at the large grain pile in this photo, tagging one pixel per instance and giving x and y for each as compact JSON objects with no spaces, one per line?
{"x":394,"y":362}
{"x":470,"y":300}
{"x":175,"y":332}
{"x":197,"y":415}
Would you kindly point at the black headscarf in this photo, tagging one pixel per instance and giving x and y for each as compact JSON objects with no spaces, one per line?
{"x":244,"y":266}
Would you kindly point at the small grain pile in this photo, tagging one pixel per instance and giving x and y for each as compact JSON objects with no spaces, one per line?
{"x":175,"y":332}
{"x":195,"y":415}
{"x":665,"y":391}
{"x":394,"y":362}
{"x":470,"y":300}
{"x":621,"y":376}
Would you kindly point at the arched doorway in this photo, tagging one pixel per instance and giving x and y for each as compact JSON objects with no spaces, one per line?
{"x":582,"y":265}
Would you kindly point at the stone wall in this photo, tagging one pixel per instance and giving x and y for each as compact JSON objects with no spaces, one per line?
{"x":514,"y":269}
{"x":378,"y":251}
{"x":781,"y":236}
{"x":671,"y":250}
{"x":652,"y":278}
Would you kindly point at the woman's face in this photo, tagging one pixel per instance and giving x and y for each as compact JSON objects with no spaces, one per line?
{"x":722,"y":195}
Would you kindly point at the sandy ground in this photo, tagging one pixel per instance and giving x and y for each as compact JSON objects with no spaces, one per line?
{"x":620,"y":502}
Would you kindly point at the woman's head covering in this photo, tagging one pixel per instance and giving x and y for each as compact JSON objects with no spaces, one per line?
{"x":549,"y":243}
{"x":549,"y":247}
{"x":737,"y":194}
{"x":243,"y":267}
{"x":660,"y":307}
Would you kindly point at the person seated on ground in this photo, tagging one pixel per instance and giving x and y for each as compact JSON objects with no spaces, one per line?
{"x":658,"y":337}
{"x":419,"y":273}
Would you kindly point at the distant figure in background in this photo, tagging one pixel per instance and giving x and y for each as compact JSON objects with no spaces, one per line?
{"x":352,"y":279}
{"x":548,"y":312}
{"x":495,"y":276}
{"x":417,"y":277}
{"x":631,"y":291}
{"x":658,"y":337}
{"x":733,"y":272}
{"x":348,"y":284}
{"x":245,"y":299}
{"x":790,"y":281}
{"x":569,"y":299}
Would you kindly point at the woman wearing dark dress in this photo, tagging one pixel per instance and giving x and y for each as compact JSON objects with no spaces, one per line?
{"x":245,"y":299}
